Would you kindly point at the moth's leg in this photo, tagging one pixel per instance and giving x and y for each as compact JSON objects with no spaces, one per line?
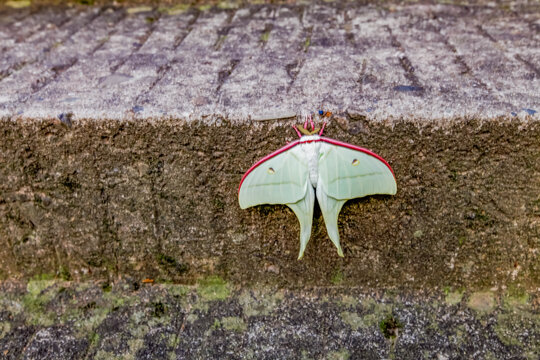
{"x":330,"y":209}
{"x":304,"y":212}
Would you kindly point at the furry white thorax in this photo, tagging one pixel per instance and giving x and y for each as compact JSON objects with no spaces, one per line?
{"x":311,"y":149}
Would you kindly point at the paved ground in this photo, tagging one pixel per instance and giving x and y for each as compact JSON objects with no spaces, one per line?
{"x":48,"y":319}
{"x":264,"y":62}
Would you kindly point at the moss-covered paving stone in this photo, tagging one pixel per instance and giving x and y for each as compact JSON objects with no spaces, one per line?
{"x":174,"y":321}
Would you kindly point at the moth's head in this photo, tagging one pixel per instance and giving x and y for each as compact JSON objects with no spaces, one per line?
{"x":303,"y":130}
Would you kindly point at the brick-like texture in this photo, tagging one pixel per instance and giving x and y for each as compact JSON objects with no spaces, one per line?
{"x":261,"y":62}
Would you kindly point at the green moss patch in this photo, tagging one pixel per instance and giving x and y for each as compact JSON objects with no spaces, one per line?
{"x":453,"y":297}
{"x":390,"y":327}
{"x":342,"y":354}
{"x":213,"y":288}
{"x":353,"y":320}
{"x":233,"y":323}
{"x":18,"y":4}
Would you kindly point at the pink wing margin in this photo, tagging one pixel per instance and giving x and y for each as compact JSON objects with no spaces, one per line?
{"x":325,"y":139}
{"x":358,"y":148}
{"x":266,"y":158}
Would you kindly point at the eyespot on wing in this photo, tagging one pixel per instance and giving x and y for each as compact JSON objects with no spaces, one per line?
{"x":279,"y":178}
{"x":366,"y":174}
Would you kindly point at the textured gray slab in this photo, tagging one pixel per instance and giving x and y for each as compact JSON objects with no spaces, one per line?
{"x":54,"y":319}
{"x":38,"y":34}
{"x":46,"y":72}
{"x":272,"y":61}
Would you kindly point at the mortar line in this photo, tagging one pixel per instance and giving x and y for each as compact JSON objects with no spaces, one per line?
{"x":461,"y":61}
{"x":224,"y":31}
{"x":63,"y":22}
{"x":293,"y":69}
{"x":18,"y":66}
{"x":145,"y":37}
{"x":14,"y":19}
{"x":404,"y":61}
{"x":92,"y":19}
{"x":302,"y":49}
{"x":109,"y":34}
{"x":226,"y":72}
{"x":56,"y":73}
{"x":485,"y":34}
{"x":164,"y":69}
{"x":268,"y":27}
{"x":535,"y":28}
{"x":518,"y":57}
{"x":51,"y":79}
{"x":180,"y":38}
{"x":504,"y":54}
{"x":294,"y":74}
{"x":528,"y":64}
{"x":43,"y":25}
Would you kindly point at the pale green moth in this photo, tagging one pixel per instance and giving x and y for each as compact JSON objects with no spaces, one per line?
{"x":316,"y":166}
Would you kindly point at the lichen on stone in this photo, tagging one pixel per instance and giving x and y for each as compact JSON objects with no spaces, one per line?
{"x":482,"y":302}
{"x":233,"y":323}
{"x":453,"y":297}
{"x":353,"y":320}
{"x":213,"y":288}
{"x":259,"y":303}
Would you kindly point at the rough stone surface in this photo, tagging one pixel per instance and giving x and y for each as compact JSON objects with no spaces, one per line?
{"x":97,"y":200}
{"x":260,"y":62}
{"x":132,"y":320}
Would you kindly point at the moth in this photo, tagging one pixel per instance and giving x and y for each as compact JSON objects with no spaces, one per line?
{"x":312,"y":167}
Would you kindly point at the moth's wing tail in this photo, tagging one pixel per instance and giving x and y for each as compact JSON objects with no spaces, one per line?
{"x":304,"y":212}
{"x":330,"y":209}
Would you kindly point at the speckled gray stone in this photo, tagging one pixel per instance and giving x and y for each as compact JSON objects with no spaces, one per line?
{"x":264,"y":62}
{"x":145,"y":321}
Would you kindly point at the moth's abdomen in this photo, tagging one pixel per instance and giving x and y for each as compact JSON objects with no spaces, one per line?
{"x":312,"y":156}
